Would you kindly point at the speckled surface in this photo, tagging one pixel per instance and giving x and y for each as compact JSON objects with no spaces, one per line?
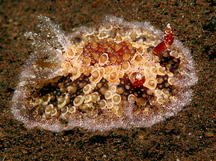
{"x":188,"y":136}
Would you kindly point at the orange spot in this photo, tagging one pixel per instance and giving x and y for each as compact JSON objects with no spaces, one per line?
{"x":91,"y":50}
{"x":123,"y":43}
{"x":110,"y":55}
{"x":120,"y":52}
{"x":100,"y":49}
{"x":119,"y":61}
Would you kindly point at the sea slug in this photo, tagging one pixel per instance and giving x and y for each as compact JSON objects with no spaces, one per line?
{"x":117,"y":74}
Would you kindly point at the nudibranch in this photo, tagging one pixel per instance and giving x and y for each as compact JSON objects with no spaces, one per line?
{"x":117,"y":74}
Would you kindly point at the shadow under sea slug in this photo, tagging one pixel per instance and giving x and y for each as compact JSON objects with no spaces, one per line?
{"x":116,"y":74}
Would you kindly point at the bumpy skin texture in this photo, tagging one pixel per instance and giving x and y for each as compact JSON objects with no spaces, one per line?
{"x":109,"y":76}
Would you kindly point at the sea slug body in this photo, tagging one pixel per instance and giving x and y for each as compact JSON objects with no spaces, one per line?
{"x":115,"y":75}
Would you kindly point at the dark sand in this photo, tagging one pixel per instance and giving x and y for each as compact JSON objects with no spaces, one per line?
{"x":188,"y":136}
